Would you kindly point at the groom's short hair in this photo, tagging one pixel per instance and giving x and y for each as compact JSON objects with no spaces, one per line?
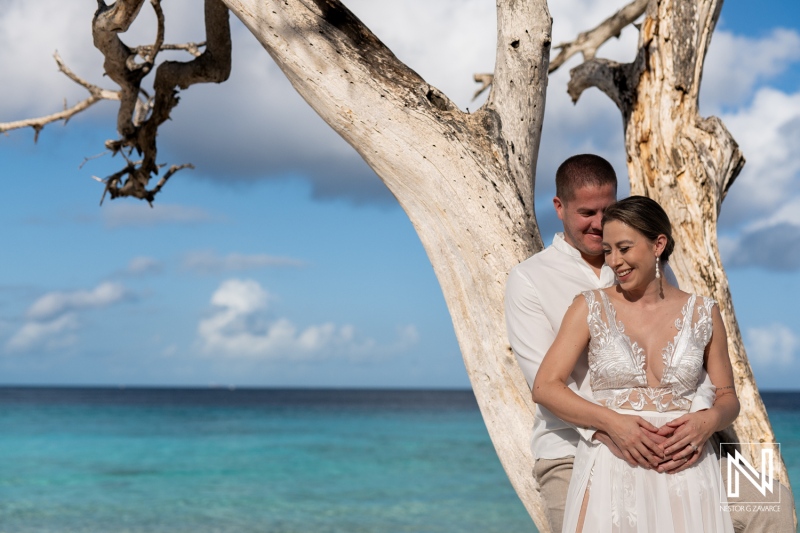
{"x":583,"y":170}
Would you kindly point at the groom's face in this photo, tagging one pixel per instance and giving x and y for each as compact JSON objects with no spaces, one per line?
{"x":582,"y":215}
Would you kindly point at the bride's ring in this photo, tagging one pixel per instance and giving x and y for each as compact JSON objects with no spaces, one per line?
{"x":694,"y":447}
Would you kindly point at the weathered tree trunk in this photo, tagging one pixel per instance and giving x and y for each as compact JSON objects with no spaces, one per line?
{"x":465,"y":180}
{"x":685,"y":162}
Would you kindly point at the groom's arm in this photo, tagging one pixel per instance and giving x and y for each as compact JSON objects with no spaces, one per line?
{"x":705,"y":395}
{"x":530,"y":333}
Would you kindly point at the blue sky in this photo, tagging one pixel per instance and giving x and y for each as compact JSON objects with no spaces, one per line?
{"x":281,"y":260}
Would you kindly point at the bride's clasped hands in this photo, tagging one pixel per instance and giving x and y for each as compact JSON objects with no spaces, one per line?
{"x":669,"y":449}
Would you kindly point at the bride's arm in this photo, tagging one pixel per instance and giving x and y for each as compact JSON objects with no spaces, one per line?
{"x":694,"y":429}
{"x":629,"y":433}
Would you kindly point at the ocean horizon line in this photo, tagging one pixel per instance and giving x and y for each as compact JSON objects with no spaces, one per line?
{"x":345,"y":388}
{"x":220,"y":386}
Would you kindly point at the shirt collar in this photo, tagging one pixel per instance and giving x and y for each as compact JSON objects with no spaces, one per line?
{"x":607,"y":277}
{"x":560,"y":244}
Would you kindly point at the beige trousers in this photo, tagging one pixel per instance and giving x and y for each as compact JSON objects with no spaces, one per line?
{"x":553,"y":477}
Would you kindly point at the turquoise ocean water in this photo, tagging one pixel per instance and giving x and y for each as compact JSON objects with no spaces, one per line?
{"x":218,"y":460}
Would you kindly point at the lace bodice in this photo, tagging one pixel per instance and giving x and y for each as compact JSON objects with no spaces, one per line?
{"x":617,"y":365}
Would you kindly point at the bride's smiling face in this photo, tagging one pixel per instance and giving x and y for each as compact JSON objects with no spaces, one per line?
{"x":630,"y":254}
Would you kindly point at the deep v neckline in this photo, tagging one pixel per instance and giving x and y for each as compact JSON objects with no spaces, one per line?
{"x":636,"y":350}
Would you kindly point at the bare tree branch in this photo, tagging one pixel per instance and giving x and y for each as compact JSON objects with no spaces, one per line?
{"x":192,"y":48}
{"x":608,"y":76}
{"x":112,"y":182}
{"x":150,"y":57}
{"x":172,"y":170}
{"x":485,"y":80}
{"x":87,"y":159}
{"x":589,"y":41}
{"x":96,"y":94}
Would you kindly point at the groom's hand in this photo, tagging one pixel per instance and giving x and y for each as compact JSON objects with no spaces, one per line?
{"x":635,"y":438}
{"x":669,"y":464}
{"x":663,"y":433}
{"x":673,"y":466}
{"x":603,"y":438}
{"x":657,"y":437}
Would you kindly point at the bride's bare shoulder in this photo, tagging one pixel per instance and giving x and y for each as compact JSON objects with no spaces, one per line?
{"x":674,"y":293}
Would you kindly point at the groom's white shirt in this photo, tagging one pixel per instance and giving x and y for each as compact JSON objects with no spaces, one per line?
{"x":538,"y":292}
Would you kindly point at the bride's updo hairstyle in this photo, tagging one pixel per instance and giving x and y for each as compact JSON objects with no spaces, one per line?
{"x":645,"y":216}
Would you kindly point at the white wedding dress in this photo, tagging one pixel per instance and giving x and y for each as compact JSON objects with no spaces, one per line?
{"x":625,"y":499}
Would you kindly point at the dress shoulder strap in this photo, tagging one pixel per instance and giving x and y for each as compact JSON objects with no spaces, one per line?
{"x":704,"y":326}
{"x":591,"y":299}
{"x":593,"y":318}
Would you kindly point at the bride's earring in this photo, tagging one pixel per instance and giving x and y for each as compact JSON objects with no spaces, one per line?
{"x":658,"y":273}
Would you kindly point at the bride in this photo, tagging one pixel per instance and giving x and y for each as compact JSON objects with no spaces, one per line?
{"x":648,"y":343}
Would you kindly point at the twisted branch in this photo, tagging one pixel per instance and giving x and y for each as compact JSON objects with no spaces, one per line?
{"x":609,"y":76}
{"x":112,"y":182}
{"x":137,"y":134}
{"x":192,"y":48}
{"x":589,"y":41}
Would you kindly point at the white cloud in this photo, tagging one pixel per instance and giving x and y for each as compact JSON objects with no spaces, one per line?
{"x":141,"y":214}
{"x":30,"y":32}
{"x":59,"y":302}
{"x":143,"y":266}
{"x":52,"y":334}
{"x":52,"y":320}
{"x":768,"y":133}
{"x":774,"y":247}
{"x":445,"y":42}
{"x":727,"y":248}
{"x":760,"y":219}
{"x":237,"y":329}
{"x":772,"y":242}
{"x":773,"y":344}
{"x":788,"y":213}
{"x":736,"y":64}
{"x":207,"y":262}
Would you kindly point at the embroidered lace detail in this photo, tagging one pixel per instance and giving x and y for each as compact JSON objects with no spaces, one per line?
{"x":617,"y":365}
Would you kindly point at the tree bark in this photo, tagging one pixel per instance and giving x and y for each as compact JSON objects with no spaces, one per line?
{"x":465,"y":180}
{"x":685,"y":162}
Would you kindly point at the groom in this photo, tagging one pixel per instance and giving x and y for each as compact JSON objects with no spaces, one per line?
{"x":538,"y":292}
